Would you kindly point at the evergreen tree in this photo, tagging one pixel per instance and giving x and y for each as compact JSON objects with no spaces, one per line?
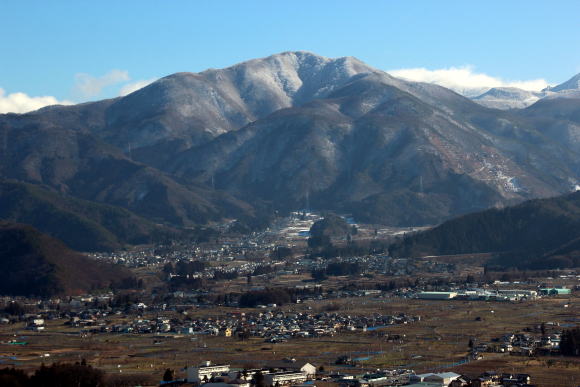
{"x":570,"y":344}
{"x":258,"y":379}
{"x":168,"y":375}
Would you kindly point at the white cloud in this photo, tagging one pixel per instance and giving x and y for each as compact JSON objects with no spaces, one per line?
{"x":465,"y":79}
{"x":134,"y":86}
{"x":23,"y":103}
{"x":87,"y":86}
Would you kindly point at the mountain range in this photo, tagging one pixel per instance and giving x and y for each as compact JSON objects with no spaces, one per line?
{"x":294,"y":130}
{"x":514,"y":98}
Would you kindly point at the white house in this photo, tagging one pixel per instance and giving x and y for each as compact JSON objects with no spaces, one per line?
{"x":309,"y":370}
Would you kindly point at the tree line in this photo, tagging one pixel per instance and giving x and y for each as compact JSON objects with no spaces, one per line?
{"x":67,"y":375}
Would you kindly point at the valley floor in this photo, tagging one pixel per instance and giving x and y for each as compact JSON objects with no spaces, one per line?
{"x":436,"y":343}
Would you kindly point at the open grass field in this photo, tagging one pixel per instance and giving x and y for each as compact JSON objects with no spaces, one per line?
{"x":436,"y":343}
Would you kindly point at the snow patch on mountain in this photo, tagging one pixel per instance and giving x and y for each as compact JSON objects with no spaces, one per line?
{"x":571,"y":84}
{"x":514,"y":98}
{"x":507,"y":98}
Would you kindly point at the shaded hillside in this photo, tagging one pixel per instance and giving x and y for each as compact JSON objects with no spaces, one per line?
{"x":82,"y":225}
{"x":78,"y":164}
{"x":32,"y":263}
{"x":541,"y":233}
{"x":559,"y":119}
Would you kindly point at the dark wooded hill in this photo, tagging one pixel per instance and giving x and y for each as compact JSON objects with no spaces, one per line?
{"x":536,"y":234}
{"x":35,"y":264}
{"x":83,"y":225}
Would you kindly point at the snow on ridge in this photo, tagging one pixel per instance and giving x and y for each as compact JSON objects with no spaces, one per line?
{"x":571,"y":84}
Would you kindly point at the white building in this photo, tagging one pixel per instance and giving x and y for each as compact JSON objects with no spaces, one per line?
{"x":309,"y":370}
{"x":441,"y":379}
{"x":284,"y":378}
{"x":205,"y":372}
{"x":445,"y":378}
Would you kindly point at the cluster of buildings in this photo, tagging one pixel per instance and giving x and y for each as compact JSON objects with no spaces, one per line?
{"x":409,"y":266}
{"x":396,"y":377}
{"x":486,"y":379}
{"x":492,"y":294}
{"x":249,"y":250}
{"x":492,"y":378}
{"x":153,"y":257}
{"x":272,"y":326}
{"x":109,"y":313}
{"x":290,"y":372}
{"x":408,"y":378}
{"x":524,"y":344}
{"x":287,"y":372}
{"x":224,"y":246}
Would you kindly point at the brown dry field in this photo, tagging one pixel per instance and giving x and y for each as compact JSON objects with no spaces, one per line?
{"x":433,"y":344}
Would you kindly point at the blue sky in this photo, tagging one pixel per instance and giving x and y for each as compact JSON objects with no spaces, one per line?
{"x":80,"y":50}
